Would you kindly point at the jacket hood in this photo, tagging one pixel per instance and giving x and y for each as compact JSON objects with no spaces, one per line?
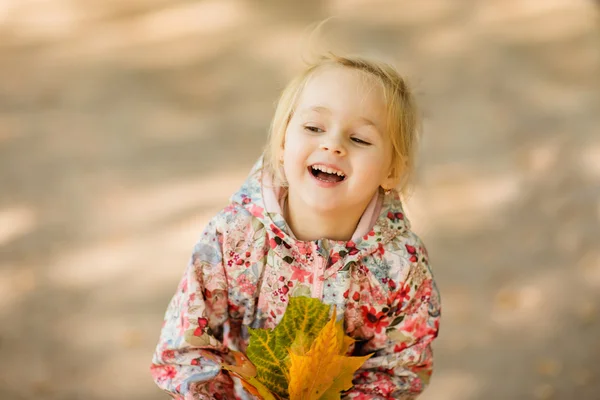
{"x":390,"y":224}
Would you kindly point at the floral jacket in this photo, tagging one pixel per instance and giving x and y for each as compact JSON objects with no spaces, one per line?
{"x":247,"y":265}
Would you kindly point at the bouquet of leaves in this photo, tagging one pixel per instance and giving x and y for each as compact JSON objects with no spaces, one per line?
{"x":303,"y":358}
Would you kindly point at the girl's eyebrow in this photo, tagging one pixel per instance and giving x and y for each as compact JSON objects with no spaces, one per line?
{"x":318,"y":109}
{"x":325,"y":110}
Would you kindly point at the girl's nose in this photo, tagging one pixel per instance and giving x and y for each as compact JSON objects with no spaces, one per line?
{"x":334,"y":148}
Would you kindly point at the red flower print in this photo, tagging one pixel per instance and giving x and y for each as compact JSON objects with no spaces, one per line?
{"x":164,"y":371}
{"x":202,"y":324}
{"x":272,"y":243}
{"x":410,"y":249}
{"x":402,"y":294}
{"x":362,"y":396}
{"x":335,"y":257}
{"x":417,"y":327}
{"x":373,"y":319}
{"x":168,"y":355}
{"x":256,"y":210}
{"x":413,"y":259}
{"x":399,"y":215}
{"x":277,"y":231}
{"x":391,"y":215}
{"x":356,"y":296}
{"x":399,"y":347}
{"x":298,"y":274}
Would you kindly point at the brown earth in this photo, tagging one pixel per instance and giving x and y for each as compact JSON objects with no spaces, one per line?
{"x":125,"y":125}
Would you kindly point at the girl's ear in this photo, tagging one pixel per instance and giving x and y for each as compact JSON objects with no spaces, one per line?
{"x":393,"y":179}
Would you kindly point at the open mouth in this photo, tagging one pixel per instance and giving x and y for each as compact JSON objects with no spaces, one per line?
{"x":326,"y":174}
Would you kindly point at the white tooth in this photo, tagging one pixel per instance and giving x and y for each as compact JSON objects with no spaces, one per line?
{"x":328,"y":170}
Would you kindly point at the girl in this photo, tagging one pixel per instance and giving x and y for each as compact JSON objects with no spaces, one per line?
{"x":319,"y":215}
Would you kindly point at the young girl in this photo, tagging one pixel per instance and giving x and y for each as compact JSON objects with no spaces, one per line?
{"x":319,"y":215}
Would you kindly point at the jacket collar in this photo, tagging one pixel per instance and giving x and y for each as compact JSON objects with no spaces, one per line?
{"x":255,"y":194}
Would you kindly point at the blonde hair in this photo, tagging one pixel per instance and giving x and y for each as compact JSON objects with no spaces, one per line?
{"x":403,"y":121}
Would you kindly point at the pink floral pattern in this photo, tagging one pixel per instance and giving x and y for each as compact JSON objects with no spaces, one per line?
{"x":246,"y":266}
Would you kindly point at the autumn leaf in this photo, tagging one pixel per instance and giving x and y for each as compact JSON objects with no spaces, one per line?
{"x":246,"y":371}
{"x":303,"y":358}
{"x":324,"y":371}
{"x":268,"y":349}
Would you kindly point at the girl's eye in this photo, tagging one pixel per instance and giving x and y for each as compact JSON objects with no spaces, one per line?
{"x":360,"y":141}
{"x":313,"y":129}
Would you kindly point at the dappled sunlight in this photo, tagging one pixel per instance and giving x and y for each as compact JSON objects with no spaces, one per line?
{"x":61,"y":19}
{"x":185,"y":33}
{"x":42,"y":19}
{"x":453,"y":385}
{"x":533,"y":21}
{"x":97,"y":266}
{"x":590,"y":161}
{"x":15,"y":222}
{"x":445,"y":40}
{"x":209,"y":17}
{"x":405,"y":12}
{"x":126,"y":126}
{"x":531,"y":305}
{"x":128,"y":374}
{"x":9,"y":129}
{"x":589,"y":269}
{"x":15,"y":284}
{"x":125,"y":209}
{"x":282,"y":45}
{"x":475,"y":200}
{"x":134,"y":248}
{"x":92,"y":335}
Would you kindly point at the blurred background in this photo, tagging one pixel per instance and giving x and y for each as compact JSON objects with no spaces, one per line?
{"x":126,"y":125}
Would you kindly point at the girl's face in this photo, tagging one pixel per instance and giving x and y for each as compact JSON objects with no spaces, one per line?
{"x":337,"y":151}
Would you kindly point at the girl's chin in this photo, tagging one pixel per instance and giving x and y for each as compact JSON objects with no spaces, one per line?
{"x":325,"y":206}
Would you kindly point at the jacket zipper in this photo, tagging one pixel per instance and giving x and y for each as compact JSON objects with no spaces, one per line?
{"x":318,"y":274}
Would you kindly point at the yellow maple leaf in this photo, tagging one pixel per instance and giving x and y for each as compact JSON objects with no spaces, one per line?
{"x":323,"y":371}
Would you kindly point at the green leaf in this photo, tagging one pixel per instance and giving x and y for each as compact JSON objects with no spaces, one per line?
{"x":269,"y":359}
{"x":348,"y":266}
{"x":268,"y":349}
{"x":397,"y":320}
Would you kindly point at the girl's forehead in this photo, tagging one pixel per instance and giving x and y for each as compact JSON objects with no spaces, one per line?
{"x":337,"y":87}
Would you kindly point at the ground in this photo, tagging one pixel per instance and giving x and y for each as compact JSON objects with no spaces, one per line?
{"x":124,"y":126}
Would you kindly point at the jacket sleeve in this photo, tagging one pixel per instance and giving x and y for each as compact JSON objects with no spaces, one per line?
{"x":402,"y":363}
{"x":190,"y":349}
